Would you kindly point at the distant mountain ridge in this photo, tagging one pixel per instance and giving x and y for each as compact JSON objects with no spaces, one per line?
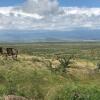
{"x":49,"y":36}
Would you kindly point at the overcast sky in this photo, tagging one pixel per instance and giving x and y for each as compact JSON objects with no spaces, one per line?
{"x":60,"y":15}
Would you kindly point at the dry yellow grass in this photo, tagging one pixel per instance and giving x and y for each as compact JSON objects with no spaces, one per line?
{"x":78,"y":67}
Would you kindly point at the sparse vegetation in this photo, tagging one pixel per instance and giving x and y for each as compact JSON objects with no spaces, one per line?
{"x":48,"y":71}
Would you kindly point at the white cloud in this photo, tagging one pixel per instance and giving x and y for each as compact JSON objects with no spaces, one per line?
{"x":48,"y":15}
{"x":42,"y":7}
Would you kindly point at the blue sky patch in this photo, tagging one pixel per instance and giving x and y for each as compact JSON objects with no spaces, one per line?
{"x":79,"y":3}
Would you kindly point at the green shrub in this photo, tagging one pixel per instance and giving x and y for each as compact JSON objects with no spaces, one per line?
{"x":64,"y":64}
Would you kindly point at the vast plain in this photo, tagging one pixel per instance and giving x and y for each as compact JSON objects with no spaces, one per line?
{"x":52,"y":71}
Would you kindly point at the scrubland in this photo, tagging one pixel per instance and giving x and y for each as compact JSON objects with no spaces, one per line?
{"x":52,"y":71}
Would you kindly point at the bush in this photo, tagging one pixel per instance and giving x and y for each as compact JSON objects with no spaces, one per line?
{"x":65,"y":61}
{"x":98,"y":66}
